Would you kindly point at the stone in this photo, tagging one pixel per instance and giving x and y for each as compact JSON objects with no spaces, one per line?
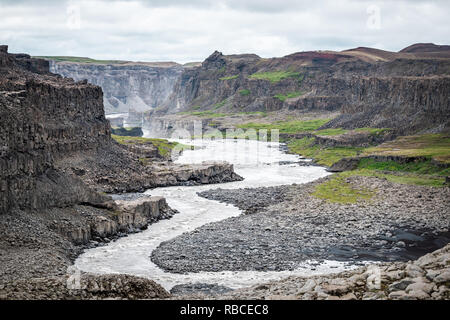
{"x":442,"y":277}
{"x":308,"y":286}
{"x":400,"y":285}
{"x":420,"y":286}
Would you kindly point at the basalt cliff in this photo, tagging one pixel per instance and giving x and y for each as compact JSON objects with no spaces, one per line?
{"x":127,"y":85}
{"x":57,"y":164}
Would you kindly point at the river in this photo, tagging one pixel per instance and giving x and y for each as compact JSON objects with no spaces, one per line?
{"x":260,"y":163}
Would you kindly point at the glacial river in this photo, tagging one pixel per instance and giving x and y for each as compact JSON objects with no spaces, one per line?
{"x":260,"y":163}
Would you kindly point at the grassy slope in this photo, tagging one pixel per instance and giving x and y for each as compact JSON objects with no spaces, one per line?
{"x":164,"y":147}
{"x":433,"y":146}
{"x":79,"y":59}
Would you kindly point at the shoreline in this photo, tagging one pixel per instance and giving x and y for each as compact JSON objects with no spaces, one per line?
{"x":401,"y":224}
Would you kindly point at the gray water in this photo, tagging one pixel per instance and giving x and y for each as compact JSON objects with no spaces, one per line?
{"x":259,"y":163}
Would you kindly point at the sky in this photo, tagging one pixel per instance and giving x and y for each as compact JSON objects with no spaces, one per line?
{"x":184,"y":31}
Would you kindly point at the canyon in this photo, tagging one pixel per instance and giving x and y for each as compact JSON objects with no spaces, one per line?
{"x":405,"y":90}
{"x":68,"y":186}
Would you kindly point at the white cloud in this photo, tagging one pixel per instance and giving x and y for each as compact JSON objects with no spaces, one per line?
{"x":190,"y":30}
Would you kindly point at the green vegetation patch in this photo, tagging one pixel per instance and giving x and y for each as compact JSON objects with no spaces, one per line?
{"x":275,"y":76}
{"x":399,"y":177}
{"x":244,"y":92}
{"x":326,"y":156}
{"x":80,"y":60}
{"x":229,"y":77}
{"x":220,"y":104}
{"x":164,"y":147}
{"x":433,"y":146}
{"x":373,"y":131}
{"x":283,"y":97}
{"x":330,"y":132}
{"x":338,"y":189}
{"x":419,"y":167}
{"x":204,"y":114}
{"x":294,"y":126}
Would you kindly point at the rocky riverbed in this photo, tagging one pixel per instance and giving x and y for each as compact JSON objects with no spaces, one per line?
{"x":400,"y":223}
{"x":425,"y":278}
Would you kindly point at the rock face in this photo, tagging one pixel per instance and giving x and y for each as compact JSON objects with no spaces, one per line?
{"x":42,"y":119}
{"x":87,"y":286}
{"x":406,"y":91}
{"x":126,"y":86}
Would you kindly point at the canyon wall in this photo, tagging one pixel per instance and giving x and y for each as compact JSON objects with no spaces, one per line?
{"x":369,"y":87}
{"x":44,"y":117}
{"x":126,"y":86}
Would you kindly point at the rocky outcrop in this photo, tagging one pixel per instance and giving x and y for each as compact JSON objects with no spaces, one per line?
{"x":405,"y":91}
{"x":407,"y":104}
{"x":44,"y":118}
{"x":83,"y":286}
{"x":126,"y":86}
{"x":426,"y":278}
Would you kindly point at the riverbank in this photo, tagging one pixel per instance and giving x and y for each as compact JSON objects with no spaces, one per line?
{"x":397,"y":222}
{"x":427,"y":278}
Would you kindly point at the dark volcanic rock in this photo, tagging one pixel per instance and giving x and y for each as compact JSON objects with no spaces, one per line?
{"x":246,"y":199}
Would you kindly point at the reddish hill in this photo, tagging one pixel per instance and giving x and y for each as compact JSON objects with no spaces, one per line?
{"x":425,"y":47}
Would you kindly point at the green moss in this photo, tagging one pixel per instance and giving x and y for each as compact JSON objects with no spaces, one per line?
{"x":204,"y":114}
{"x":196,"y":107}
{"x":275,"y":76}
{"x":373,"y":131}
{"x":80,"y":60}
{"x":326,"y":156}
{"x":339,"y":190}
{"x":399,"y":177}
{"x":244,"y":92}
{"x":435,"y":146}
{"x":283,"y":97}
{"x":164,"y":147}
{"x":419,"y":167}
{"x":330,"y":132}
{"x":220,"y":104}
{"x":229,"y":77}
{"x":294,"y":126}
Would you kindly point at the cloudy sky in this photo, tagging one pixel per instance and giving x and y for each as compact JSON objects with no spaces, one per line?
{"x":182,"y":31}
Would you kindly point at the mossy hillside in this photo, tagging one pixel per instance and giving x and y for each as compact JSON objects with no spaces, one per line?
{"x":244,"y":92}
{"x":79,"y":60}
{"x":290,"y":95}
{"x":338,"y":189}
{"x":276,"y":76}
{"x":399,"y":177}
{"x":432,"y":146}
{"x":427,"y":167}
{"x":164,"y":147}
{"x":289,"y":127}
{"x":322,"y":155}
{"x":204,"y":114}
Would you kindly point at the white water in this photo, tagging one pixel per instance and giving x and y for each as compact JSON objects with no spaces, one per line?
{"x":258,"y":163}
